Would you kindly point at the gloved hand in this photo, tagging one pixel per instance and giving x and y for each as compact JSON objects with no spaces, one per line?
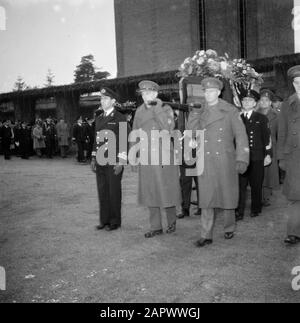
{"x":241,"y":167}
{"x":93,"y":164}
{"x":267,"y":160}
{"x":282,"y":164}
{"x":157,"y":108}
{"x":193,"y":143}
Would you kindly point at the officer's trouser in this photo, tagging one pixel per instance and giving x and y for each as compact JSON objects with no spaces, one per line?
{"x":293,"y":213}
{"x":155,"y":217}
{"x":208,"y":221}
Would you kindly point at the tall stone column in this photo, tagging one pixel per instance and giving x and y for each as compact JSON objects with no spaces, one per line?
{"x":222,"y":27}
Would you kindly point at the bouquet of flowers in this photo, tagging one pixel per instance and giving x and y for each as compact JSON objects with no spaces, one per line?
{"x":240,"y":74}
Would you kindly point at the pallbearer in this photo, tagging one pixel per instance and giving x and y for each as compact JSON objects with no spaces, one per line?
{"x":289,"y":155}
{"x":158,"y":184}
{"x":226,"y":154}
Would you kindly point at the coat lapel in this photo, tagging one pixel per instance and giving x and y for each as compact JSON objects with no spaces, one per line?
{"x":102,"y":121}
{"x":147,"y":115}
{"x":203,"y":116}
{"x":212,"y":115}
{"x":294,"y":104}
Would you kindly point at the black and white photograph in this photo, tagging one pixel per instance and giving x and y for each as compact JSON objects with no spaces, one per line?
{"x":149,"y":154}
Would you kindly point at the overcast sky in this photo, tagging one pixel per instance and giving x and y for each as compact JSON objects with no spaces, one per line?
{"x":42,"y":34}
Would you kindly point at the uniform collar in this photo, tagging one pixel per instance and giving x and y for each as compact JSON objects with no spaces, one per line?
{"x":248,"y":114}
{"x":108,"y":112}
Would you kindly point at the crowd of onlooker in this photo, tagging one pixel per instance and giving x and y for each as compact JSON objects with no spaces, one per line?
{"x":47,"y":138}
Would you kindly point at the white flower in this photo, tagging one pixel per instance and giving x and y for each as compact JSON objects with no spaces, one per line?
{"x":187,"y":60}
{"x":224,"y":65}
{"x":202,"y":52}
{"x":200,"y":60}
{"x":195,"y":57}
{"x":211,"y":52}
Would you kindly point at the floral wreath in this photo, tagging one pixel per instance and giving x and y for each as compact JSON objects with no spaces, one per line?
{"x":240,"y":74}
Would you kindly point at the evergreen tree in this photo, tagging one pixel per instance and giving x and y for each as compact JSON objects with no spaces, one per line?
{"x":49,"y":78}
{"x":87,"y":71}
{"x":20,"y":85}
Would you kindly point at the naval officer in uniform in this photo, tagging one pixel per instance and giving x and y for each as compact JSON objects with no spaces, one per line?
{"x":260,"y":155}
{"x":109,"y":174}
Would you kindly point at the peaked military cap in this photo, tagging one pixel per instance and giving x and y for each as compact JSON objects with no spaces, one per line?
{"x":148,"y":86}
{"x":267,"y":93}
{"x":251,"y":94}
{"x":212,"y":83}
{"x":294,"y":72}
{"x":277,"y":98}
{"x":105,"y":91}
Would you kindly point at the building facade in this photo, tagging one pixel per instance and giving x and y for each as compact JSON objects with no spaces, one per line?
{"x":156,"y":35}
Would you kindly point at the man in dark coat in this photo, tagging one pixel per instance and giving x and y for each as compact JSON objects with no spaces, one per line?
{"x":226,"y":154}
{"x":289,"y":155}
{"x":260,"y":155}
{"x":17,"y":128}
{"x":6,"y":135}
{"x":108,"y":160}
{"x":23,"y":139}
{"x":49,"y":132}
{"x":90,"y":137}
{"x":271,"y":175}
{"x":80,"y":137}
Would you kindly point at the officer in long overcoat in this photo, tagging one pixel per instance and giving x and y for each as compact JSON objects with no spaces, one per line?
{"x":23,"y":138}
{"x":289,"y":155}
{"x":109,"y":172}
{"x":158,"y":183}
{"x":226,"y":154}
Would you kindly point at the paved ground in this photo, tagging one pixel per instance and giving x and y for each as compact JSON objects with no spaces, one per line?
{"x":51,"y":252}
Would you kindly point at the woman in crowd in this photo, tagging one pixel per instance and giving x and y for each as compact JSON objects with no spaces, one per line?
{"x":38,"y":138}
